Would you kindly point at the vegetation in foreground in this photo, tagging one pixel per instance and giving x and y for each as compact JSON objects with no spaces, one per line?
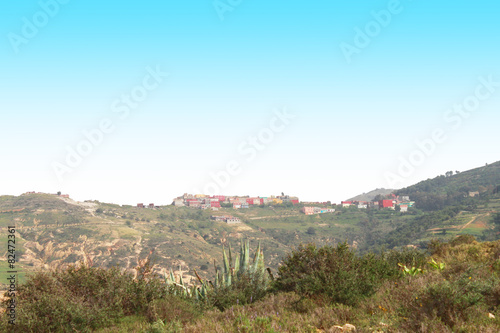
{"x":453,"y":288}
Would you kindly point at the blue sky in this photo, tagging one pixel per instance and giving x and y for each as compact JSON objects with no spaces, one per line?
{"x":356,"y":116}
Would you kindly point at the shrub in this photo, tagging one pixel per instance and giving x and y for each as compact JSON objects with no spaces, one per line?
{"x":172,"y":308}
{"x":336,"y":274}
{"x":82,"y":299}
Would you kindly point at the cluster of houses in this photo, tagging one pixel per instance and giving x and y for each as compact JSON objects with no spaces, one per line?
{"x":202,"y":201}
{"x":226,"y":218}
{"x":392,"y":202}
{"x":316,"y":210}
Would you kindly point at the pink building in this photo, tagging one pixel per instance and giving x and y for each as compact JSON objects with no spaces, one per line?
{"x":308,"y":210}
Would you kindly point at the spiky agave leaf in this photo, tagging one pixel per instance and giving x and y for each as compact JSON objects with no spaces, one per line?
{"x":172,"y":278}
{"x":237,"y":265}
{"x":203,"y":291}
{"x":216,"y":282}
{"x":230,"y":260}
{"x":181,"y":281}
{"x":256,"y":260}
{"x":244,"y":257}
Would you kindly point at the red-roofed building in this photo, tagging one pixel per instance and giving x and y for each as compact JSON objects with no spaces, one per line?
{"x":386,"y":204}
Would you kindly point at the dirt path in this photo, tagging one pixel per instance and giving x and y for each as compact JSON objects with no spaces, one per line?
{"x":461,"y":227}
{"x":473,"y":220}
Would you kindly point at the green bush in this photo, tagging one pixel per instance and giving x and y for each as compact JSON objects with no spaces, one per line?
{"x":461,"y":298}
{"x":334,"y":273}
{"x":82,"y":299}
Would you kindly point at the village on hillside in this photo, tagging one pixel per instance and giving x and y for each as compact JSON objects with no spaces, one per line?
{"x":236,"y":202}
{"x":201,"y":201}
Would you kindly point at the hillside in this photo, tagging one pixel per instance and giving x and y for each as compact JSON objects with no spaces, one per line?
{"x":454,"y":188}
{"x":371,"y":195}
{"x":54,"y":232}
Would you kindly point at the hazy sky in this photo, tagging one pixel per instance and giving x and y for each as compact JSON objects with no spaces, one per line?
{"x":323,"y":100}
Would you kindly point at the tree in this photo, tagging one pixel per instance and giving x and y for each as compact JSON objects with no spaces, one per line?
{"x":59,"y":193}
{"x":311,"y":231}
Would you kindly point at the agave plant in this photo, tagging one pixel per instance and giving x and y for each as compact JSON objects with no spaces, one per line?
{"x":242,"y":266}
{"x":182,"y":288}
{"x":230,"y":273}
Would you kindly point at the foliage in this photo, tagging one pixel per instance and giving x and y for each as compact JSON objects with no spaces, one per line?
{"x":440,"y":266}
{"x":82,"y":298}
{"x":411,"y":271}
{"x":334,"y":273}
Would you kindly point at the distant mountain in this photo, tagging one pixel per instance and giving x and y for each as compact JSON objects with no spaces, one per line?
{"x":371,"y":195}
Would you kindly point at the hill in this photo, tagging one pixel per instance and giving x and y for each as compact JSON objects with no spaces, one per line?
{"x":371,"y":195}
{"x":454,"y":188}
{"x":54,"y":232}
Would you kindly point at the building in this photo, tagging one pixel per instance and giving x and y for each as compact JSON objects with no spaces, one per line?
{"x":308,"y":210}
{"x":194,"y":203}
{"x":346,"y":203}
{"x":404,"y":208}
{"x":151,"y":205}
{"x":232,"y":220}
{"x":386,"y":204}
{"x":473,"y":194}
{"x":140,"y":205}
{"x":316,"y":210}
{"x":179,"y":203}
{"x":362,"y":205}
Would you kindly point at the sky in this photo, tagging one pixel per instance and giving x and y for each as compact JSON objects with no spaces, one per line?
{"x":129,"y":102}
